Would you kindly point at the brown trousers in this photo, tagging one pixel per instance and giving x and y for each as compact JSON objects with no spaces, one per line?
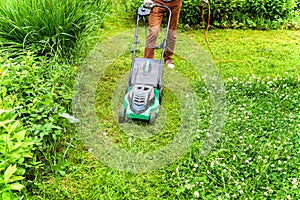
{"x":155,"y":19}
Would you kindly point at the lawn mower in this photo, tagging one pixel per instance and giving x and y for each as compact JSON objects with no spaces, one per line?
{"x":143,"y":92}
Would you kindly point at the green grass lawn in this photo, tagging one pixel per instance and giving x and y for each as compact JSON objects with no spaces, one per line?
{"x":258,"y":151}
{"x":257,"y":155}
{"x":250,"y":52}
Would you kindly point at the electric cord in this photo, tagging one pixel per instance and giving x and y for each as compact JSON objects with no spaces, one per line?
{"x":206,"y":29}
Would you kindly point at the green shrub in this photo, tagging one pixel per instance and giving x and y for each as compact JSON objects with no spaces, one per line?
{"x":269,"y":9}
{"x":49,"y":26}
{"x":42,"y":91}
{"x":15,"y":150}
{"x":259,"y":14}
{"x":238,"y":13}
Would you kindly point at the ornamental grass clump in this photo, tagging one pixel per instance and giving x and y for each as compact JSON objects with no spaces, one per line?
{"x":49,"y":27}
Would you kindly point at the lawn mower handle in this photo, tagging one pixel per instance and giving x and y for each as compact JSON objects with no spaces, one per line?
{"x":144,"y":11}
{"x":164,"y":44}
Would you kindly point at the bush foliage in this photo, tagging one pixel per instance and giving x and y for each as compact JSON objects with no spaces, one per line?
{"x":239,"y":13}
{"x":38,"y":91}
{"x":258,"y":14}
{"x":15,"y":150}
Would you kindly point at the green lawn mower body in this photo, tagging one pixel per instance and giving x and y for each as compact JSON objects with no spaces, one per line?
{"x":143,"y":93}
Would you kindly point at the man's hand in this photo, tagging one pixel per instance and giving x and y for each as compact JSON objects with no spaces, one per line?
{"x":148,"y":3}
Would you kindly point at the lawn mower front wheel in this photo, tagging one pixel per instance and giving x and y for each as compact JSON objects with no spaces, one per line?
{"x":152,"y":118}
{"x":122,"y":113}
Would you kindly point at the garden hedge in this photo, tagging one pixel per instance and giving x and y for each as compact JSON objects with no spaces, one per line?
{"x":239,"y":13}
{"x":232,"y":13}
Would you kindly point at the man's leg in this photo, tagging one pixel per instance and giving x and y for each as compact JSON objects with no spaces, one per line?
{"x":175,"y":6}
{"x":155,"y":19}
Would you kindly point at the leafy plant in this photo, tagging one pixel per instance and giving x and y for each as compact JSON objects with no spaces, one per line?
{"x":239,"y":13}
{"x":15,"y":149}
{"x":42,"y":90}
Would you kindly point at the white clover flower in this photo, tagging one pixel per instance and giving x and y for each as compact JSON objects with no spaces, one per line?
{"x":188,"y":186}
{"x":196,"y":194}
{"x":265,"y":160}
{"x":295,"y":186}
